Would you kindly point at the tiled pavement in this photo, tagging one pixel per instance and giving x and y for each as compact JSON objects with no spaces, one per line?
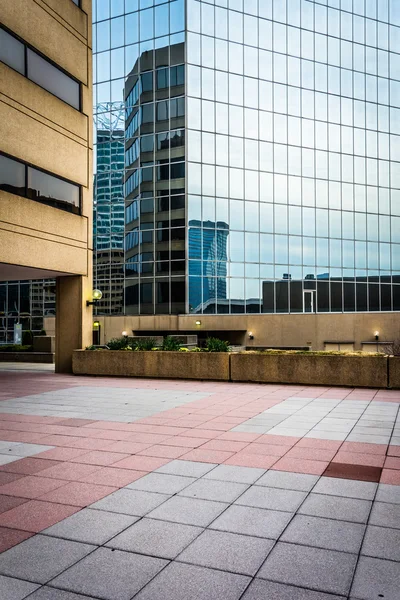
{"x":116,"y":489}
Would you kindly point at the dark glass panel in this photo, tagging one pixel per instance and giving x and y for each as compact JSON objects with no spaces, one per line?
{"x":282,"y":296}
{"x":386,"y":297}
{"x":53,"y":191}
{"x":336,"y":296}
{"x":349,"y":297}
{"x":12,"y":176}
{"x":12,"y":51}
{"x":373,"y":297}
{"x":52,"y":79}
{"x":361,"y":297}
{"x":322,"y":296}
{"x":296,"y":296}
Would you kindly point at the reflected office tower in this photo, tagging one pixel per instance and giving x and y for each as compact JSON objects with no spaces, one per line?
{"x":267,"y":130}
{"x":108,"y":207}
{"x":208,"y":244}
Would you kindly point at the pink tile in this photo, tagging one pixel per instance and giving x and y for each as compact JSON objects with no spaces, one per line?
{"x":364,"y":448}
{"x":98,"y":457}
{"x":69,"y":471}
{"x":227,"y":445}
{"x":280,"y":440}
{"x":185,"y":442}
{"x":141,"y":463}
{"x":319,"y":444}
{"x":201,"y":433}
{"x":28,"y":466}
{"x":8,"y":477}
{"x":311,"y":453}
{"x":36,"y":515}
{"x":296,"y":465}
{"x":12,"y":537}
{"x":30,"y":486}
{"x":91,"y":444}
{"x":147,"y":438}
{"x":78,"y":493}
{"x":163,"y":451}
{"x":114,"y":477}
{"x":390,"y":476}
{"x":128,"y":447}
{"x":266,"y":449}
{"x":393,"y":451}
{"x":356,"y":458}
{"x":259,"y":461}
{"x":9,"y":502}
{"x":210,"y":456}
{"x":239,"y":436}
{"x":62,"y":454}
{"x":392,"y":462}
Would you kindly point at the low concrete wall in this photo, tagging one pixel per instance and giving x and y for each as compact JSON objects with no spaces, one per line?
{"x":394,"y":372}
{"x":27,"y":357}
{"x":168,"y":365}
{"x":353,"y":371}
{"x":44,"y":343}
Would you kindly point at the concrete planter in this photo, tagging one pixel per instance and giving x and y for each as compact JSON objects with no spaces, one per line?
{"x":352,"y":371}
{"x":394,"y":372}
{"x":28,"y":357}
{"x":168,"y":365}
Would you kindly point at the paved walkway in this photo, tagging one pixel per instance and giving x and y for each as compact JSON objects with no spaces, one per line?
{"x":116,"y":489}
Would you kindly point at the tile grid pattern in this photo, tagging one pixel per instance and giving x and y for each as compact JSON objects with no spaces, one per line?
{"x":195,"y":528}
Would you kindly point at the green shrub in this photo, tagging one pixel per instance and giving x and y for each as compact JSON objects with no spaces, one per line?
{"x":143,"y":345}
{"x":15,"y":348}
{"x":216,"y":345}
{"x":117,"y":343}
{"x":170,"y":344}
{"x":41,"y":332}
{"x":27,"y":338}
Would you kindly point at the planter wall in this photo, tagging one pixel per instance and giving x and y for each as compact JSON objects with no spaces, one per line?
{"x":394,"y":372}
{"x":353,"y":371}
{"x":168,"y":365}
{"x":28,"y":357}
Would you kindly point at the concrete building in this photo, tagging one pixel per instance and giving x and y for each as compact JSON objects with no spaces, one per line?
{"x":289,"y":137}
{"x":46,"y":175}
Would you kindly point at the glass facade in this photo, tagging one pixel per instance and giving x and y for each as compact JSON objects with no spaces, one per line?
{"x":248,"y":156}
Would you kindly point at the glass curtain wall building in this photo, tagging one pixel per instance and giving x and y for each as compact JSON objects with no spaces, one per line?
{"x":261,"y":167}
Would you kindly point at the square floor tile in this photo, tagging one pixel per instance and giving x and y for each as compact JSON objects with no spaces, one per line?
{"x":189,"y":582}
{"x":254,"y":461}
{"x":50,"y":593}
{"x":77,"y":493}
{"x":269,"y":590}
{"x":364,"y":490}
{"x":15,"y":589}
{"x":9,"y":502}
{"x":228,"y":551}
{"x":186,"y":468}
{"x":301,"y":465}
{"x":130,"y":502}
{"x":388,"y":493}
{"x":189,"y":511}
{"x":161,"y":483}
{"x":8,"y":477}
{"x":110,"y":574}
{"x":220,"y":491}
{"x":112,"y":477}
{"x":36,"y":515}
{"x":156,"y":538}
{"x":353,"y":472}
{"x":69,"y":471}
{"x":91,"y":526}
{"x":28,"y":466}
{"x":252,"y":521}
{"x":376,"y":578}
{"x":385,"y":515}
{"x":324,"y":570}
{"x":236,"y":474}
{"x":31,"y":486}
{"x":324,"y":533}
{"x":12,"y":537}
{"x":273,"y":498}
{"x":334,"y":507}
{"x":41,"y":558}
{"x":289,"y":481}
{"x":382,"y":542}
{"x":141,"y":463}
{"x":98,"y":457}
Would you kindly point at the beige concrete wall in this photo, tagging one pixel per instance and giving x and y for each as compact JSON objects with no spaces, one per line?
{"x":41,"y":129}
{"x":268,"y":330}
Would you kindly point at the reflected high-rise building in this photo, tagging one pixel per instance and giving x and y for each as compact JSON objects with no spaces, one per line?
{"x":280,"y":120}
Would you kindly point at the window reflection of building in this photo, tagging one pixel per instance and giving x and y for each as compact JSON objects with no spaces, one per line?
{"x":208,"y":265}
{"x":109,"y":208}
{"x":155,"y":183}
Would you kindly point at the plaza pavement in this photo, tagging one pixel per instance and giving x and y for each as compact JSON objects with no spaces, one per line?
{"x":117,"y":489}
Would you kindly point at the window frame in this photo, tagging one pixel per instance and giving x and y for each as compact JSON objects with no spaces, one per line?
{"x":47,"y":59}
{"x":28,"y":165}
